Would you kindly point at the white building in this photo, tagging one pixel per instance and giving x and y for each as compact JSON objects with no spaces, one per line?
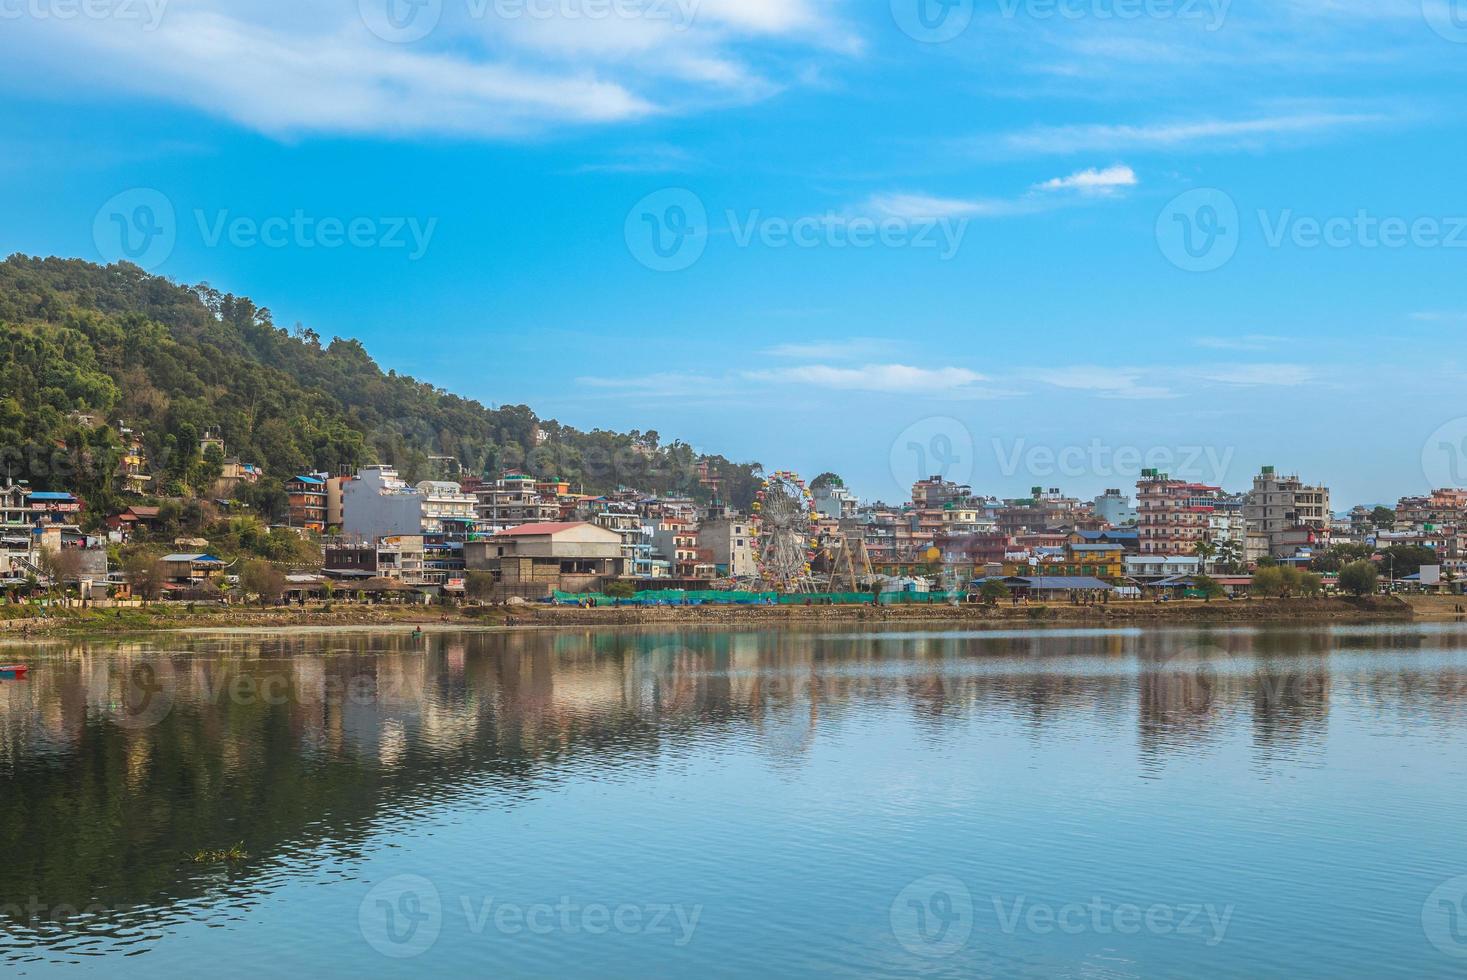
{"x":1115,"y":508}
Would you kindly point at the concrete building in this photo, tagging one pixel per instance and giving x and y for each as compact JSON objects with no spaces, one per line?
{"x":378,"y":503}
{"x":1114,"y":508}
{"x":1285,"y":516}
{"x":306,"y":495}
{"x":514,"y":500}
{"x":1173,"y":515}
{"x":730,"y":544}
{"x":399,"y":557}
{"x":836,"y":502}
{"x":534,"y":560}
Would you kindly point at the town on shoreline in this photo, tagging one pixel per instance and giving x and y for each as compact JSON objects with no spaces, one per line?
{"x":371,"y":538}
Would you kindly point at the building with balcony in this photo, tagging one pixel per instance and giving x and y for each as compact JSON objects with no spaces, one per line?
{"x":306,"y":502}
{"x":1173,"y":516}
{"x":1285,"y":516}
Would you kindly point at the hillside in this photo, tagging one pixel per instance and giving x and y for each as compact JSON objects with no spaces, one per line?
{"x":173,"y":361}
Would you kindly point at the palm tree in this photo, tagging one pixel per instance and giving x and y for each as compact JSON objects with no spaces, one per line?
{"x":1206,"y":550}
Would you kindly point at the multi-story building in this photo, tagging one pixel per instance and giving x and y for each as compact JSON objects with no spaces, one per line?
{"x":676,"y":542}
{"x":1173,"y":515}
{"x":1114,"y":508}
{"x":132,"y":465}
{"x":835,"y":501}
{"x":399,"y":557}
{"x":636,"y":537}
{"x":730,"y":546}
{"x":532,"y":560}
{"x":1442,"y":508}
{"x":306,"y":496}
{"x":514,"y":500}
{"x":54,"y":508}
{"x":379,"y":503}
{"x":1284,"y":516}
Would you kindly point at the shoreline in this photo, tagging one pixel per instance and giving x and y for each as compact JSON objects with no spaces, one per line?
{"x":98,"y":623}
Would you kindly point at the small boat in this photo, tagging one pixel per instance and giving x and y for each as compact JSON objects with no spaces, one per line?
{"x":15,"y":673}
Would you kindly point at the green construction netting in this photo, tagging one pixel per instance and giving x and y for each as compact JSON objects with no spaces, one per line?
{"x":673,"y":597}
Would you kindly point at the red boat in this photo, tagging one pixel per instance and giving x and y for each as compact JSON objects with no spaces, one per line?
{"x":13,"y":673}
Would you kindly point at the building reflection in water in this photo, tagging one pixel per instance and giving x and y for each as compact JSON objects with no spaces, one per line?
{"x":131,"y":754}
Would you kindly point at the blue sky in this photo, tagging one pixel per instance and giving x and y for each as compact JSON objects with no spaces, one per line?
{"x":1022,"y":243}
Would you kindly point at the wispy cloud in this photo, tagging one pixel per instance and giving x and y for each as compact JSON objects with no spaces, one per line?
{"x":1093,"y":181}
{"x":842,"y":349}
{"x":1257,"y":375}
{"x":924,"y":207}
{"x":1105,"y":382}
{"x":1252,"y":341}
{"x":1181,"y":134}
{"x":892,"y":378}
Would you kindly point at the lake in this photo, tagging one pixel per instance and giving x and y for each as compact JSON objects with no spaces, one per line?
{"x":1273,"y":802}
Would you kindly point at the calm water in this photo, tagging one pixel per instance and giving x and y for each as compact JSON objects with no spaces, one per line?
{"x":1247,"y":803}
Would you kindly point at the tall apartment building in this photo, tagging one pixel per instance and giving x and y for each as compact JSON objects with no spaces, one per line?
{"x":1173,"y":515}
{"x":1285,"y":516}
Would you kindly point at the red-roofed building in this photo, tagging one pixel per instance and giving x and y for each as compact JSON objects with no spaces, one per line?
{"x":1173,"y":516}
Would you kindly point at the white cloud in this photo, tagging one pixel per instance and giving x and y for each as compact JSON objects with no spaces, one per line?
{"x":898,"y":378}
{"x":1252,"y":341}
{"x":923,"y":207}
{"x":1093,"y":181}
{"x":842,"y":349}
{"x":486,"y":69}
{"x":1180,"y":134}
{"x":1104,"y":382}
{"x":1257,"y":375}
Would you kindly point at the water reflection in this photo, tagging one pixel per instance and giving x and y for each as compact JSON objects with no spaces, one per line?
{"x":119,"y":760}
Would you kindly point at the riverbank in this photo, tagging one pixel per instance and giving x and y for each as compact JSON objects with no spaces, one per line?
{"x":344,"y":616}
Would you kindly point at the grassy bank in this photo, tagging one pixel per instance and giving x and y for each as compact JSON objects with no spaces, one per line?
{"x":167,"y":617}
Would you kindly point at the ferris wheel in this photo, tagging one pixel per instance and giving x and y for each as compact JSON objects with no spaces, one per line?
{"x":784,"y":512}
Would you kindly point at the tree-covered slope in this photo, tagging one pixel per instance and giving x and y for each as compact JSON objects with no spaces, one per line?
{"x":173,"y":361}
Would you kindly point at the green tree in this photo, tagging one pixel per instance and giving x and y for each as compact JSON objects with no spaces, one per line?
{"x":262,"y":579}
{"x":1359,"y":578}
{"x":1209,"y":587}
{"x":1383,"y":517}
{"x":621,"y":589}
{"x":993,"y":592}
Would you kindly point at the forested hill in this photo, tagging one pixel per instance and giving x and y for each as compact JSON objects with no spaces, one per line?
{"x":173,"y":361}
